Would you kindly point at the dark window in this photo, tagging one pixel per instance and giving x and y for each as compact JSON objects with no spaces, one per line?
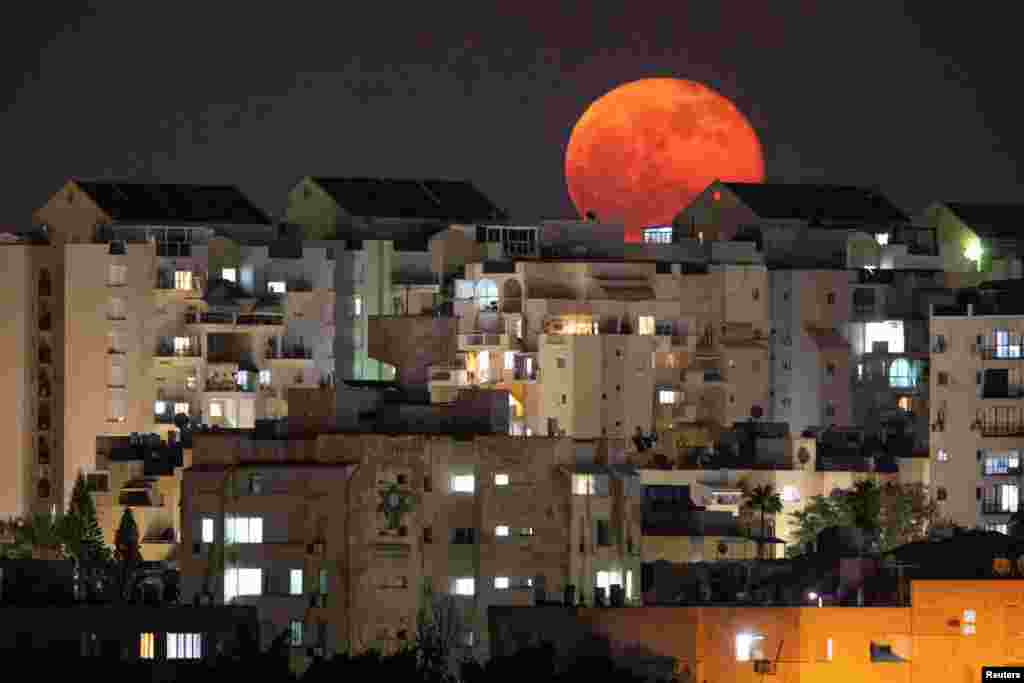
{"x":43,"y":490}
{"x":756,"y":294}
{"x":464,"y":536}
{"x":943,"y":378}
{"x":428,"y":534}
{"x":941,"y":493}
{"x":402,"y":479}
{"x":427,"y":484}
{"x":604,"y":536}
{"x":565,"y":399}
{"x":831,"y":298}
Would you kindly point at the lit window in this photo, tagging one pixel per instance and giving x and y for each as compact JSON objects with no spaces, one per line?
{"x":746,"y":646}
{"x":608,"y":579}
{"x":828,"y":650}
{"x":969,"y":622}
{"x":295,"y":582}
{"x":501,"y":480}
{"x":501,"y":582}
{"x":146,"y":642}
{"x":183,"y":280}
{"x":242,"y":581}
{"x":501,"y":530}
{"x":276,"y":287}
{"x":463,"y":483}
{"x":629,"y":584}
{"x":882,"y":238}
{"x":666,"y":397}
{"x":526,"y":531}
{"x":510,"y":360}
{"x":207,"y":530}
{"x":357,"y":306}
{"x":191,"y":382}
{"x":942,"y":455}
{"x":181,"y":408}
{"x":323,"y":582}
{"x":243,"y":530}
{"x":159,"y":407}
{"x":229,"y":274}
{"x":264,"y":378}
{"x":216,"y":409}
{"x":790,"y":494}
{"x":583,"y":484}
{"x":184,"y":646}
{"x":182,"y":345}
{"x":464,"y":586}
{"x":295,"y":633}
{"x":645,"y":324}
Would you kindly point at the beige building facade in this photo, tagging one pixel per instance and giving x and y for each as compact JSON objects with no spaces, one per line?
{"x":350,"y":527}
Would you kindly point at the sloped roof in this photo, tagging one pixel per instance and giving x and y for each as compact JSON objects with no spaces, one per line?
{"x":991,"y":220}
{"x":173,"y":204}
{"x":453,"y":200}
{"x":831,"y":203}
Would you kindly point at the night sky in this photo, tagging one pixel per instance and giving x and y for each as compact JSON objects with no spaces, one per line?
{"x":922,"y":100}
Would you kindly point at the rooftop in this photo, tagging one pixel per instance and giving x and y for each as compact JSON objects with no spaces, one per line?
{"x":990,"y":220}
{"x":128,"y":202}
{"x":429,"y":199}
{"x":830,"y":203}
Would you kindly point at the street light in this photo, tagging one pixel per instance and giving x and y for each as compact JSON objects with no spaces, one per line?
{"x":814,"y":597}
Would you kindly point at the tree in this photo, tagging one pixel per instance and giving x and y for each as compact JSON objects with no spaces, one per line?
{"x":765,"y":500}
{"x":439,"y":626}
{"x":906,"y":512}
{"x":820,"y":513}
{"x":83,"y":538}
{"x":127,"y":556}
{"x":37,"y":537}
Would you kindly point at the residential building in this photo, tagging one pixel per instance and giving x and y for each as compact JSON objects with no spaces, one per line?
{"x":148,"y":301}
{"x":983,"y":238}
{"x":342,"y":532}
{"x":386,"y":225}
{"x":977,"y":423}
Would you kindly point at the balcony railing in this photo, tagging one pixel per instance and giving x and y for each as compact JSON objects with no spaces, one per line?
{"x":297,"y":353}
{"x":171,"y":352}
{"x":1012,"y":352}
{"x":173,"y":249}
{"x":522,"y":376}
{"x":229,"y":386}
{"x":992,"y":508}
{"x":1007,"y":472}
{"x":210,"y":318}
{"x":480,"y":339}
{"x":997,"y":429}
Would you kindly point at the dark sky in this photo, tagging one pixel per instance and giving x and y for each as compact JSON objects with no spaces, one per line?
{"x":918,"y":98}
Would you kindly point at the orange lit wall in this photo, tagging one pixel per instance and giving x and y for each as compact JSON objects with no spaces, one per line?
{"x":930,"y":635}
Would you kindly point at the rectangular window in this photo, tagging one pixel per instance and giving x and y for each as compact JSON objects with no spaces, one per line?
{"x":117,"y":275}
{"x":510,"y":360}
{"x":526,"y":531}
{"x":323,"y":582}
{"x":583,"y":485}
{"x":560,"y":362}
{"x":463,"y":483}
{"x":747,"y":646}
{"x":1002,"y":464}
{"x":501,"y":479}
{"x":242,"y":581}
{"x":183,"y":280}
{"x":229,"y":274}
{"x":276,"y":287}
{"x":184,"y":646}
{"x":645,"y":324}
{"x":501,"y":582}
{"x":116,"y":309}
{"x":243,"y":530}
{"x":666,"y":397}
{"x":146,"y":649}
{"x":629,"y":584}
{"x":464,"y":536}
{"x":182,"y":345}
{"x":295,"y":633}
{"x":464,"y":586}
{"x":159,"y":407}
{"x":501,"y":530}
{"x":117,"y":406}
{"x":264,"y":378}
{"x":216,"y":409}
{"x":207,"y":529}
{"x":181,"y":408}
{"x":295,"y":582}
{"x":357,"y":307}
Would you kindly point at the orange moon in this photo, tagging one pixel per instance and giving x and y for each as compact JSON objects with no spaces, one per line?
{"x":642,"y":152}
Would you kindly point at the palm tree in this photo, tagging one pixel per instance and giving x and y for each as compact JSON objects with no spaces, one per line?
{"x":764,"y":499}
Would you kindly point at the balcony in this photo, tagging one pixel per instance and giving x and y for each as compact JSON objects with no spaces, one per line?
{"x":448,"y":374}
{"x":228,"y":386}
{"x":482,"y":341}
{"x":45,"y":357}
{"x":164,"y":351}
{"x":1011,"y":352}
{"x":210,"y":318}
{"x":523,"y":376}
{"x":999,"y":429}
{"x":1004,"y":472}
{"x":45,"y":322}
{"x":293,"y":353}
{"x":994,"y":508}
{"x":173,"y":250}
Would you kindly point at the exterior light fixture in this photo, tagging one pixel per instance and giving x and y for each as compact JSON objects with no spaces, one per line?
{"x":973,"y":251}
{"x":882,"y":238}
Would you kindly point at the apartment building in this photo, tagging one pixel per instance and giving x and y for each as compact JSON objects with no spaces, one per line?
{"x":334,"y":537}
{"x":595,"y":348}
{"x":386,"y":224}
{"x":977,"y":425}
{"x":149,"y":301}
{"x":983,"y":238}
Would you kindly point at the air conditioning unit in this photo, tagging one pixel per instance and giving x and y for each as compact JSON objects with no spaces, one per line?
{"x":318,"y":600}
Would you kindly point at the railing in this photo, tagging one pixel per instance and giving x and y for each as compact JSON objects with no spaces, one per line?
{"x":483,"y":339}
{"x":526,"y":376}
{"x":1012,"y":352}
{"x":1008,"y":472}
{"x":170,"y":352}
{"x":992,"y":508}
{"x":1000,"y":428}
{"x":298,"y":353}
{"x":173,"y":249}
{"x":210,"y":318}
{"x":267,"y":319}
{"x":229,"y":386}
{"x":1012,"y":391}
{"x":116,"y":316}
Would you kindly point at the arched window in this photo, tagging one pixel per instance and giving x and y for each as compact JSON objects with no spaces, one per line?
{"x":902,"y":374}
{"x":487,"y":295}
{"x":43,"y":489}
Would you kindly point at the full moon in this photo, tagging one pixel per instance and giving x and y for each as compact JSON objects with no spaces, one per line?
{"x":641,"y":153}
